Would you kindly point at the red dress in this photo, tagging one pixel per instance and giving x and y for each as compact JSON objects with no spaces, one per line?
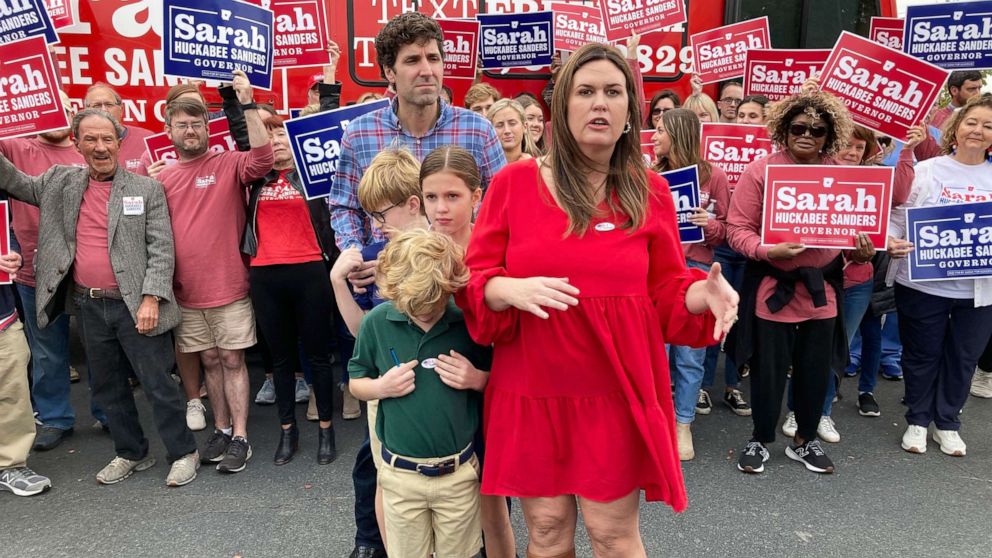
{"x":580,"y":403}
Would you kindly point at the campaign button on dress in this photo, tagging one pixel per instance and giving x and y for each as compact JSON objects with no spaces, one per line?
{"x":605,"y":227}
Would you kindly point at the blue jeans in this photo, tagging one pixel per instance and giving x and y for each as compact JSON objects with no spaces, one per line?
{"x":856,"y":300}
{"x":49,"y":365}
{"x":687,"y":373}
{"x":891,"y":346}
{"x":732,"y":268}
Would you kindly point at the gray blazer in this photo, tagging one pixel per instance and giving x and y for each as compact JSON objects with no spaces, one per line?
{"x":142,"y":254}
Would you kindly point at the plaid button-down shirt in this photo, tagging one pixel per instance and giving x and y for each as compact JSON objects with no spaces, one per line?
{"x":372,"y":133}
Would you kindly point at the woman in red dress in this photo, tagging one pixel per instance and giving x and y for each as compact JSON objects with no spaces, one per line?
{"x":578,"y":280}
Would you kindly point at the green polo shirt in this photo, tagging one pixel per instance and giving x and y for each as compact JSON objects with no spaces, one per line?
{"x":433,"y":420}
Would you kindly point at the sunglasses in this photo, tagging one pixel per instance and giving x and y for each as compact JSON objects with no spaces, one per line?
{"x":802,"y":129}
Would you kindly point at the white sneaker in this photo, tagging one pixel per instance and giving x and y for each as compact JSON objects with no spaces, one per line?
{"x":981,"y":384}
{"x":950,"y":442}
{"x":790,"y":426}
{"x":183,"y":470}
{"x":195,"y":418}
{"x":302,"y":391}
{"x":119,"y":469}
{"x":827,"y":430}
{"x":915,"y":439}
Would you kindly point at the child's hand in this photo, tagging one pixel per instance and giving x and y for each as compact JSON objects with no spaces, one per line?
{"x":457,"y":372}
{"x":348,"y":261}
{"x":398,"y":380}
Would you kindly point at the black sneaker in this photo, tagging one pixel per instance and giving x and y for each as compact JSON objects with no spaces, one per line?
{"x":867,"y":406}
{"x":237,"y":456}
{"x":703,"y":403}
{"x":811,"y":455}
{"x":216,"y":447}
{"x":753,"y":458}
{"x":735,"y":400}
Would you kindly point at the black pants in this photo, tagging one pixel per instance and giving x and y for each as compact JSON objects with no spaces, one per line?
{"x":985,"y":361}
{"x":942,"y":339}
{"x":114,"y":349}
{"x":806,"y":346}
{"x":293,"y":303}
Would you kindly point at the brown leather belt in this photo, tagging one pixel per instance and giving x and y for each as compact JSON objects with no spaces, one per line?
{"x":99,"y":293}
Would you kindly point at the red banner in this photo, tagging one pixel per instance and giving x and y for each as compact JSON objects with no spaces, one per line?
{"x":719,"y":53}
{"x":647,"y":147}
{"x":621,"y":18}
{"x":29,"y":89}
{"x":461,"y":47}
{"x":576,"y":25}
{"x":884,"y":89}
{"x":160,"y":145}
{"x":825,"y":206}
{"x":733,"y":147}
{"x":61,"y":13}
{"x":4,"y":238}
{"x":780,"y":73}
{"x":887,"y":31}
{"x":300,"y":34}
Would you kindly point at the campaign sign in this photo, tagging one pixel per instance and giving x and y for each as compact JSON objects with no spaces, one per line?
{"x":300,"y":34}
{"x":955,"y":36}
{"x":780,"y":73}
{"x":719,"y":53}
{"x":315,"y":141}
{"x":4,"y":238}
{"x":622,"y":18}
{"x":825,"y":206}
{"x":60,"y":11}
{"x":20,"y":19}
{"x":29,"y":89}
{"x":160,"y":145}
{"x":887,"y":31}
{"x":209,"y":39}
{"x":576,"y":25}
{"x":514,"y":40}
{"x":461,"y":47}
{"x":952,"y":241}
{"x":684,"y":184}
{"x":733,"y":147}
{"x":884,"y":89}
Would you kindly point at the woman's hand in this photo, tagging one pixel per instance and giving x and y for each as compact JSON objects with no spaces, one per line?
{"x":721,"y":299}
{"x":785,"y":250}
{"x":458,"y":372}
{"x":811,"y":85}
{"x":699,"y":217}
{"x":532,"y":294}
{"x":863,"y":250}
{"x":632,"y":44}
{"x":696,"y":83}
{"x":899,"y":248}
{"x":915,"y":136}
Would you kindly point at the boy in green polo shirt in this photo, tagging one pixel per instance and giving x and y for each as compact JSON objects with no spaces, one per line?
{"x":403,"y":350}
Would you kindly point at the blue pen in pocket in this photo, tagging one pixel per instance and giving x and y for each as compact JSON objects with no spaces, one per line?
{"x":396,"y":359}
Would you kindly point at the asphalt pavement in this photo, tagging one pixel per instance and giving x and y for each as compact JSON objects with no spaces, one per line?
{"x":881,"y":501}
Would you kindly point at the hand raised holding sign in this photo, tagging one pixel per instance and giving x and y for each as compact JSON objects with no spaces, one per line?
{"x":811,"y":85}
{"x":242,"y":87}
{"x":696,"y":83}
{"x":863,"y":251}
{"x":915,"y":136}
{"x":333,"y":55}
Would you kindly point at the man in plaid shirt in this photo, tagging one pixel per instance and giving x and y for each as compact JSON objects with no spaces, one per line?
{"x":417,"y":121}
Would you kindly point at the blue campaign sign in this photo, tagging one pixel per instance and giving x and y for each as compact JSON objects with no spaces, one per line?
{"x":20,"y":19}
{"x":952,"y":241}
{"x":315,"y":141}
{"x":954,"y":36}
{"x":684,"y":184}
{"x":209,"y":39}
{"x":514,"y":40}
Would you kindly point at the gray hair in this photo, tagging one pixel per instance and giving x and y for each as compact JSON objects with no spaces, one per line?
{"x":86,"y":113}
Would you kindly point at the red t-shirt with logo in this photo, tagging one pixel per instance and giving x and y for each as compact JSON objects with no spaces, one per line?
{"x":282,"y":224}
{"x":92,"y":266}
{"x":206,"y":198}
{"x":33,"y":157}
{"x":132,"y":148}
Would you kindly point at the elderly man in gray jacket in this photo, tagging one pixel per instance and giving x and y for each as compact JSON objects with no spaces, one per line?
{"x":105,"y":252}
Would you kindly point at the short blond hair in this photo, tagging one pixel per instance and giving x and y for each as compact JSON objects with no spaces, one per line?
{"x":419,"y":271}
{"x":392,"y":177}
{"x":309,"y":109}
{"x":480,"y":92}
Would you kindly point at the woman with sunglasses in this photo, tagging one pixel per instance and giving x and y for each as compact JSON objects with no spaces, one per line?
{"x":662,"y":102}
{"x":789,"y":300}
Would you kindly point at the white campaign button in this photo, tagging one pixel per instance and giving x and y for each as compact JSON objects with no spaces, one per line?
{"x":605,"y":227}
{"x":429,"y":363}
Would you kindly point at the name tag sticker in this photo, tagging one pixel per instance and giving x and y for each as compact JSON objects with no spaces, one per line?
{"x":134,"y":205}
{"x":429,"y":363}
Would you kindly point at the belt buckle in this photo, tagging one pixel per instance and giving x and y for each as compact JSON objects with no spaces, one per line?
{"x":439,"y":469}
{"x":93,"y":293}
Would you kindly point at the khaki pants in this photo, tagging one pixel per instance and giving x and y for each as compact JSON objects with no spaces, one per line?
{"x":432,"y":512}
{"x":16,"y":417}
{"x":372,"y":411}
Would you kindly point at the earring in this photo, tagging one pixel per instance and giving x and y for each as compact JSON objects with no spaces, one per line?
{"x":627,"y":128}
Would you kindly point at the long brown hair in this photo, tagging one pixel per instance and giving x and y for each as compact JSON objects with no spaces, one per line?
{"x":626,"y":185}
{"x":684,"y":130}
{"x":455,"y":160}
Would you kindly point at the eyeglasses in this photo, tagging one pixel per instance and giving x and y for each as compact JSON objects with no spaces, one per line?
{"x":103,"y":106}
{"x":801,"y":130}
{"x":183,"y":126}
{"x":659,"y":111}
{"x":380,"y":216}
{"x":733,"y":101}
